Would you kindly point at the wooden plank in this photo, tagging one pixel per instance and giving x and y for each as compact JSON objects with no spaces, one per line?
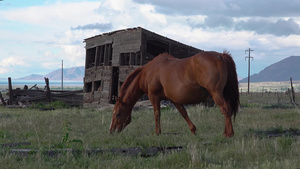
{"x":134,"y":151}
{"x":30,"y":99}
{"x":14,"y":144}
{"x":67,"y":93}
{"x":68,"y":100}
{"x":33,"y":87}
{"x":75,"y":97}
{"x":14,"y":106}
{"x":2,"y":100}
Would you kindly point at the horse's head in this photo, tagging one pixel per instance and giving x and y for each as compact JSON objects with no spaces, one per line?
{"x":121,"y":116}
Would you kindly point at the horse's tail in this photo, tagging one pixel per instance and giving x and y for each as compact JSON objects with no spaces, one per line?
{"x":231,"y":90}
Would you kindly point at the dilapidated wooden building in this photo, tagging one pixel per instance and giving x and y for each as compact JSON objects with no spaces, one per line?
{"x":111,"y":57}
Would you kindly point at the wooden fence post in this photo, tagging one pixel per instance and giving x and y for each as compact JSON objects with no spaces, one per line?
{"x":10,"y":99}
{"x":292,"y":93}
{"x":48,"y":92}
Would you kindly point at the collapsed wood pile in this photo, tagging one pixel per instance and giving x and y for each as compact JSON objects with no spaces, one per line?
{"x":24,"y":97}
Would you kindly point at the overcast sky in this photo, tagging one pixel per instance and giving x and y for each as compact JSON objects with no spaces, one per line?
{"x":36,"y":35}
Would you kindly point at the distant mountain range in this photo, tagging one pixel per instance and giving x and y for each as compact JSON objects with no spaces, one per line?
{"x":70,"y":74}
{"x":280,"y":71}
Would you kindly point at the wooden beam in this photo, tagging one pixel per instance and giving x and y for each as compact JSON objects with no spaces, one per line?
{"x":10,"y":99}
{"x":48,"y":92}
{"x":2,"y":100}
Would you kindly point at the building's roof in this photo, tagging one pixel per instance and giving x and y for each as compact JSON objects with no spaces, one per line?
{"x":138,"y":28}
{"x":113,"y":32}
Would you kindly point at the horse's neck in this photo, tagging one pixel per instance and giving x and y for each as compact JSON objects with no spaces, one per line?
{"x":133,"y":93}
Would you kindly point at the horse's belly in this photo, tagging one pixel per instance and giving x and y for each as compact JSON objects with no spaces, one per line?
{"x":188,"y":95}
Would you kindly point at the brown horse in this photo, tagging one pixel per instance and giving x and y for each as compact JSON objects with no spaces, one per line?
{"x":182,"y":81}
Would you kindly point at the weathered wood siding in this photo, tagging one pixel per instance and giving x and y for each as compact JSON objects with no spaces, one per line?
{"x":125,"y":42}
{"x":125,"y":71}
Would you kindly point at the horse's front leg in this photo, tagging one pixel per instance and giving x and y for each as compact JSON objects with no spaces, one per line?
{"x":184,"y":114}
{"x":156,"y":108}
{"x":157,"y":121}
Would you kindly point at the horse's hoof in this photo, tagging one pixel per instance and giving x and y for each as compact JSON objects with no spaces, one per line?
{"x":228,"y":135}
{"x":193,"y":130}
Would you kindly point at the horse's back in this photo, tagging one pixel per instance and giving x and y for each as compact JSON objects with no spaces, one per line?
{"x":208,"y":59}
{"x":161,"y":59}
{"x":171,"y":78}
{"x":201,"y":64}
{"x":209,"y":67}
{"x":161,"y":65}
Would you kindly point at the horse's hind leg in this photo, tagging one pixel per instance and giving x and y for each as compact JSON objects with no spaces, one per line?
{"x":184,"y":114}
{"x":226,"y":111}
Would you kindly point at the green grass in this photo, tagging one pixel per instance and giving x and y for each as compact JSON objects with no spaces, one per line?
{"x":88,"y":129}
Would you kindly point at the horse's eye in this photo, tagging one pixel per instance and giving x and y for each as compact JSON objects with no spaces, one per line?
{"x":118,"y":115}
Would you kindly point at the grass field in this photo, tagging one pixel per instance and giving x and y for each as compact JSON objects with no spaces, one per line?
{"x":80,"y":129}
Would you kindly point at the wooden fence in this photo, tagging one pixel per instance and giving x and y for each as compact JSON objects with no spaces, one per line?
{"x":26,"y":96}
{"x":277,"y":97}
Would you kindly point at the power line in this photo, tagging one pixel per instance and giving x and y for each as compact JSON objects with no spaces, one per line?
{"x":248,"y":57}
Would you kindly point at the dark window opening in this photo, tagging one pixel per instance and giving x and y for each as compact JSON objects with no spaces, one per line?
{"x":114,"y":85}
{"x":88,"y":87}
{"x":104,"y":55}
{"x":100,"y":55}
{"x":124,"y":59}
{"x":155,"y":48}
{"x":182,"y":52}
{"x":97,"y":86}
{"x":109,"y":54}
{"x":120,"y":84}
{"x":130,"y":59}
{"x":90,"y":58}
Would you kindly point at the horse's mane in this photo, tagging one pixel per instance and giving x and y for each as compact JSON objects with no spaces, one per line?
{"x":128,"y":81}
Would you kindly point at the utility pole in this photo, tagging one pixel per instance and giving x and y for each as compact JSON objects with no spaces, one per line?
{"x":248,"y":57}
{"x":62,"y":74}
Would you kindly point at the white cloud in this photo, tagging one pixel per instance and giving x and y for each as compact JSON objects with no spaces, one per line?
{"x":234,"y":8}
{"x":151,"y":16}
{"x":3,"y":70}
{"x":8,"y":64}
{"x":206,"y":40}
{"x":41,"y":35}
{"x":72,"y":46}
{"x":117,"y":5}
{"x":13,"y":61}
{"x":289,"y":41}
{"x":51,"y":65}
{"x":49,"y":33}
{"x":55,"y":15}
